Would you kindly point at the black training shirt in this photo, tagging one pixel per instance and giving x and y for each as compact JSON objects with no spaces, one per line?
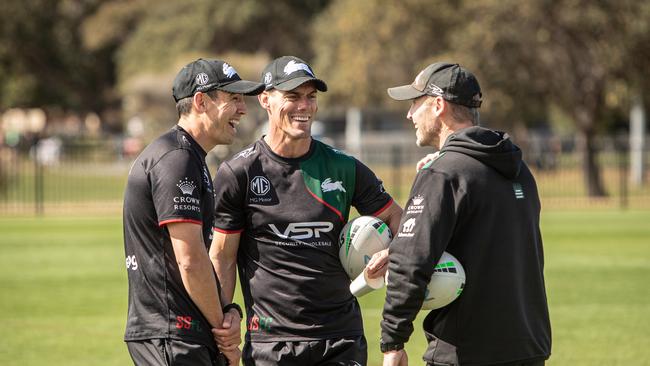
{"x":290,"y":213}
{"x":168,"y":182}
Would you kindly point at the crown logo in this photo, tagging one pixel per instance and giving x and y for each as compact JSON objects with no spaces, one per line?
{"x":186,"y":186}
{"x":417,"y":200}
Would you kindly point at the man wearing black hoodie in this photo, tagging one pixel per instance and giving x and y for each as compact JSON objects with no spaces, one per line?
{"x":478,"y":201}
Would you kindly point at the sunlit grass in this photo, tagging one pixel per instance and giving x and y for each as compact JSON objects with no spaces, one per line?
{"x":63,"y":291}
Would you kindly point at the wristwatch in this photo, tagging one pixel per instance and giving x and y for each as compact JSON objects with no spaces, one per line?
{"x":386,"y":347}
{"x":233,"y":306}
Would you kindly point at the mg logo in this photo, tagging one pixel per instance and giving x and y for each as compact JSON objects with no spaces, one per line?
{"x":202,"y":78}
{"x":260,"y":185}
{"x":303,"y":230}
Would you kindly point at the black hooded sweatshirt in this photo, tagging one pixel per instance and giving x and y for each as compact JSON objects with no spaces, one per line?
{"x":478,"y":201}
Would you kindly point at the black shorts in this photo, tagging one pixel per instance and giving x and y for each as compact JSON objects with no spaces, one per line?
{"x":346,"y":351}
{"x":173,"y":352}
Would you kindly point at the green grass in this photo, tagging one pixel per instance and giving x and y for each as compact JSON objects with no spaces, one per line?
{"x":63,"y":291}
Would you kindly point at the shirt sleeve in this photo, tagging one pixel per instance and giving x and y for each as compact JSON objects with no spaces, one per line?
{"x":370,"y":197}
{"x":229,"y":201}
{"x":176,"y":188}
{"x":425,"y":230}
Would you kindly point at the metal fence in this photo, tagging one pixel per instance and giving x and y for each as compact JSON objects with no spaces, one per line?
{"x":92,"y":181}
{"x":556,"y":165}
{"x":77,"y":182}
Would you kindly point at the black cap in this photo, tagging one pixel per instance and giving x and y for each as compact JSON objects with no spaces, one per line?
{"x":451,"y":81}
{"x":289,"y":72}
{"x":205,"y":75}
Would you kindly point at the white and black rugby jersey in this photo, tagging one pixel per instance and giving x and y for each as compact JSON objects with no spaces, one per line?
{"x":289,"y":213}
{"x":168,"y":182}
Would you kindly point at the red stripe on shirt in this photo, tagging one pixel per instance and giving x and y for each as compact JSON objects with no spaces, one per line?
{"x":227,"y":231}
{"x":163,"y":223}
{"x":383,"y":208}
{"x":337,"y":212}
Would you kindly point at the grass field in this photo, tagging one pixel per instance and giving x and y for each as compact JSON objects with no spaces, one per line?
{"x":63,"y":291}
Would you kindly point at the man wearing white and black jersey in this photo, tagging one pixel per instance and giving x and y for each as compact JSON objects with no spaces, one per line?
{"x":175,"y":314}
{"x":280,"y":206}
{"x":478,"y":201}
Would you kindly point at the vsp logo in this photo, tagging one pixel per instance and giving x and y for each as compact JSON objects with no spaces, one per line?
{"x":303,"y":230}
{"x":131,"y":262}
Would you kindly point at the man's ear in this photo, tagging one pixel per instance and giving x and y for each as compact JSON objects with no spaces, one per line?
{"x":199,"y":101}
{"x":263,"y":98}
{"x":438,"y":106}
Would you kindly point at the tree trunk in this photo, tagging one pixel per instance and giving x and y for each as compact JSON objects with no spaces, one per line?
{"x":590,"y":167}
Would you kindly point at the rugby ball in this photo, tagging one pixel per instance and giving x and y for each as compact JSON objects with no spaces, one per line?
{"x":447,"y":283}
{"x":359,"y":240}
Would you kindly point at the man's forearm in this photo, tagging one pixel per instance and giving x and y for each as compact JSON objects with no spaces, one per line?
{"x":200,"y":283}
{"x":196,"y":270}
{"x":223,"y":255}
{"x":392,"y":216}
{"x":227,"y":277}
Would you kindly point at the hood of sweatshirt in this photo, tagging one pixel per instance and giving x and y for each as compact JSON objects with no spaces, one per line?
{"x":492,"y":148}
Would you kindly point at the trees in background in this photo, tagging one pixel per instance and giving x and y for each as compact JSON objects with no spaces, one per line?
{"x":581,"y":57}
{"x":43,"y":61}
{"x":151,"y":40}
{"x":154,"y":35}
{"x":363,"y":47}
{"x":585,"y":59}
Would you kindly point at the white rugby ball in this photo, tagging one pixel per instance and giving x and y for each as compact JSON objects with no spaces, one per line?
{"x":447,"y":283}
{"x":359,"y":240}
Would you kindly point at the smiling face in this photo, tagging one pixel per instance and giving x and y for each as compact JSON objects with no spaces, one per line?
{"x":223,"y":115}
{"x":291,"y":113}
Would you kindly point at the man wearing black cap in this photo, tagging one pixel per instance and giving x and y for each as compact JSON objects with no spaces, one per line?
{"x":174,"y":301}
{"x":280,"y":205}
{"x":478,"y":201}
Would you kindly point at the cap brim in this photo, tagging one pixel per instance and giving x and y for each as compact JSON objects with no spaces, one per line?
{"x":243,"y":87}
{"x":294,"y":83}
{"x":404,"y":92}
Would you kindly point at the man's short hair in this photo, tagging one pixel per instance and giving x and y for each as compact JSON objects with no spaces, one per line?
{"x":462,"y":113}
{"x":184,"y":106}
